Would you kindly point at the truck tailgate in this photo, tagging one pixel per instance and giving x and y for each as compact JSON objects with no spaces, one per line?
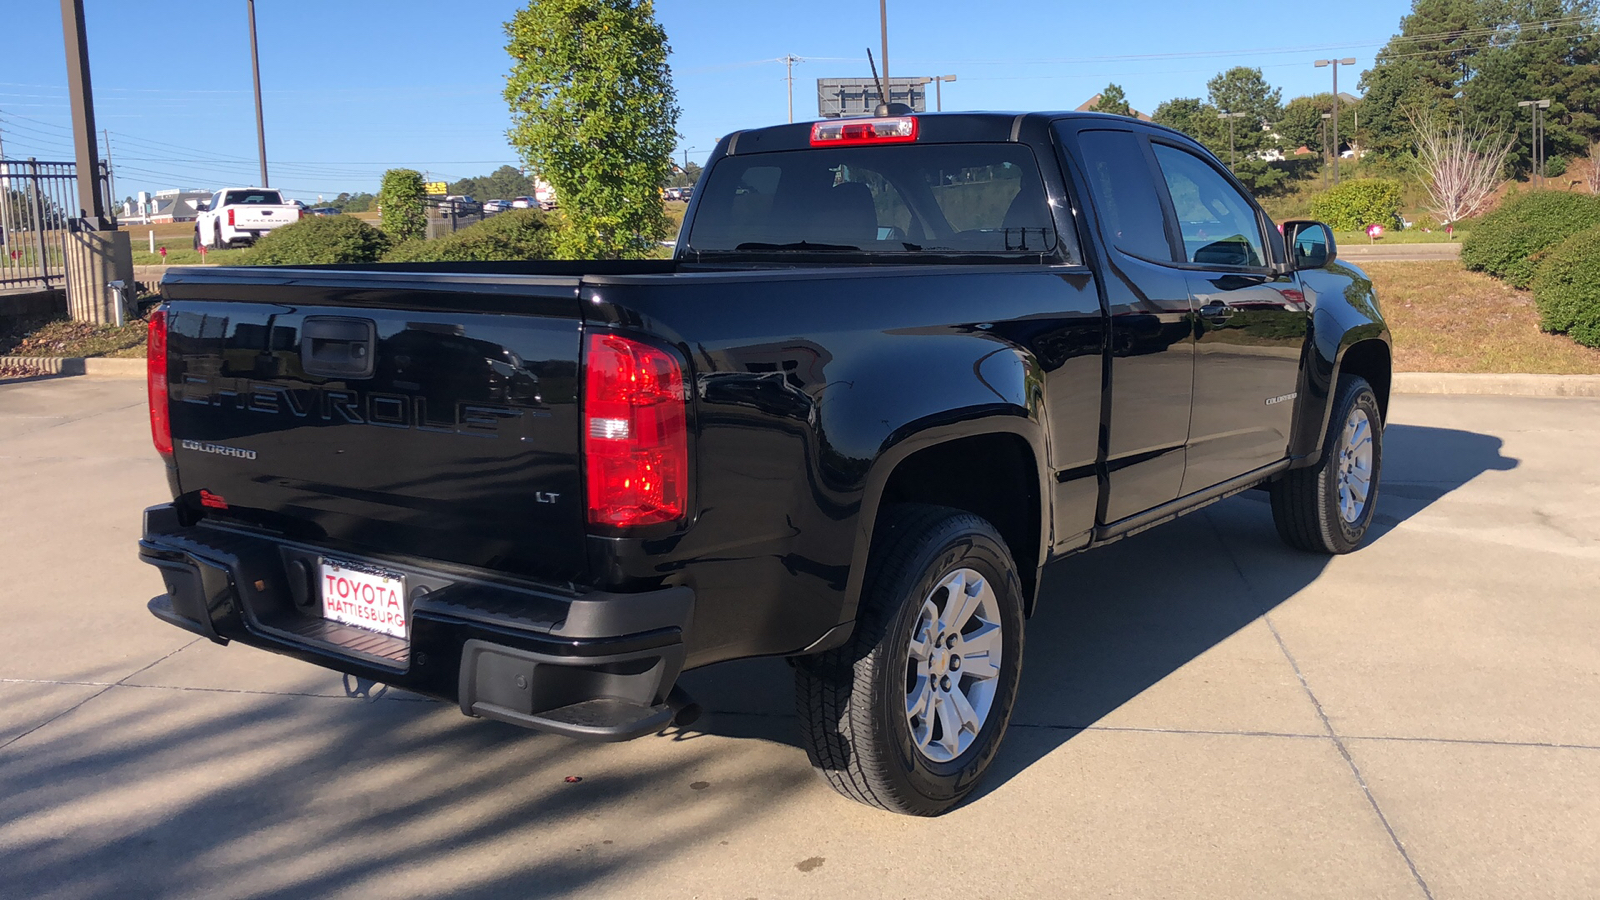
{"x":253,"y":216}
{"x":428,"y":416}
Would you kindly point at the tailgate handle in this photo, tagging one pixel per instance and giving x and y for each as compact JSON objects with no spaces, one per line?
{"x":338,"y":347}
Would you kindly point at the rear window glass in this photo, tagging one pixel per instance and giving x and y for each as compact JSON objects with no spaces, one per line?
{"x":907,"y":199}
{"x":252,"y":198}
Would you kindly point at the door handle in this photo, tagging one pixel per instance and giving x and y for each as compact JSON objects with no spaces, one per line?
{"x":1216,"y":311}
{"x":338,"y":347}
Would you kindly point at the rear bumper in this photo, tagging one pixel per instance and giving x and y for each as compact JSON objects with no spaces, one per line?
{"x":593,"y":665}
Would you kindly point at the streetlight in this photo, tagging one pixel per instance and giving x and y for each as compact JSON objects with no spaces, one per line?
{"x":1232,"y":158}
{"x":938,"y":92}
{"x":1335,"y":63}
{"x":1538,"y":137}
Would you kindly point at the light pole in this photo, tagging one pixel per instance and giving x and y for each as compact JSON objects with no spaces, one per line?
{"x":1325,"y":118}
{"x":1335,"y":63}
{"x":938,"y":93}
{"x":1538,"y":137}
{"x":1232,"y":157}
{"x":255,"y":67}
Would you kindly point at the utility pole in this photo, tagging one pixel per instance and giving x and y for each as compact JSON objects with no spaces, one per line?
{"x":255,"y":66}
{"x":111,"y":174}
{"x":789,"y":59}
{"x":1335,"y":63}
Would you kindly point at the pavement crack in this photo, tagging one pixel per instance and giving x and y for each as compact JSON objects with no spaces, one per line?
{"x":1322,"y":715}
{"x":119,"y":683}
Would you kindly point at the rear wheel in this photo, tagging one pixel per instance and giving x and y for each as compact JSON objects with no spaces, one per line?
{"x":909,"y":715}
{"x":216,"y":242}
{"x":1327,"y":508}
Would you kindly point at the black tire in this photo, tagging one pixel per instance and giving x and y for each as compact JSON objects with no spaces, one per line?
{"x":1306,"y":502}
{"x":197,"y":239}
{"x":216,"y":242}
{"x":852,"y":700}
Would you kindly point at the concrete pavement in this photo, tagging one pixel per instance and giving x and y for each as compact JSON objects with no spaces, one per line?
{"x":1204,"y":713}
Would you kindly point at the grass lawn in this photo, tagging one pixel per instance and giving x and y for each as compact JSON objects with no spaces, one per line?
{"x":1446,"y":319}
{"x":1409,"y":236}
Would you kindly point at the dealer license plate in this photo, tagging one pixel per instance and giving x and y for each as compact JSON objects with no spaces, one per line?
{"x":366,"y":598}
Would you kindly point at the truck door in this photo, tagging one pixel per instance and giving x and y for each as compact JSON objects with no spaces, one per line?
{"x":1152,"y":332}
{"x":1250,"y":324}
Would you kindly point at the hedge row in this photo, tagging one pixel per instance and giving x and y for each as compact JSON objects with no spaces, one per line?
{"x":1566,"y":288}
{"x":518,"y":234}
{"x":1507,"y":242}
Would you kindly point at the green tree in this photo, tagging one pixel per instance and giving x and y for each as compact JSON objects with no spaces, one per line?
{"x":1473,"y":60}
{"x":400,"y":199}
{"x":1196,"y":118}
{"x":1243,"y":90}
{"x":1112,"y":100}
{"x":1301,"y":124}
{"x":361,"y":201}
{"x":594,"y":112}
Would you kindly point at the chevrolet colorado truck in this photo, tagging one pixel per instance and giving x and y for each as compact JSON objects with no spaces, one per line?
{"x":241,"y":216}
{"x":893,"y":368}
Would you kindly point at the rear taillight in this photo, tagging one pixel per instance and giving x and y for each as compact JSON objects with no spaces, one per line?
{"x":636,"y":436}
{"x":156,"y":372}
{"x":230,"y":218}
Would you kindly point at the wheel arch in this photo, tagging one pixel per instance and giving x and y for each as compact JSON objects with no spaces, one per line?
{"x":981,"y":470}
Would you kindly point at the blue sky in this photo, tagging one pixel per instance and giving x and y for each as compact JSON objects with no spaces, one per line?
{"x":352,"y":87}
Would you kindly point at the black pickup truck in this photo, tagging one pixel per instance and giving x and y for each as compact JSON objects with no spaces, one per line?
{"x":894,"y":367}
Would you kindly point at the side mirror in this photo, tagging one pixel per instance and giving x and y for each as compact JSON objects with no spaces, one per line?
{"x":1310,"y":244}
{"x":202,"y":206}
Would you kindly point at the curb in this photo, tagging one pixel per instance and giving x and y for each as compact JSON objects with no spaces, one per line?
{"x":77,"y":365}
{"x":1465,"y":384}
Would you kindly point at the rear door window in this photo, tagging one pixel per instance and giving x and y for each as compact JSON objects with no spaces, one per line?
{"x":1125,"y":195}
{"x":904,"y":199}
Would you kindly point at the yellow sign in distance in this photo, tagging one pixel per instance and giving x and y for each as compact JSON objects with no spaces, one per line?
{"x":433,"y":187}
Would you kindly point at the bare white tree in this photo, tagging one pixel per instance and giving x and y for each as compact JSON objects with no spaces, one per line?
{"x":1594,"y":168}
{"x":1460,"y":165}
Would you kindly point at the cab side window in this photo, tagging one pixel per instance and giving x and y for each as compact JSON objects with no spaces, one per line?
{"x":1125,"y":194}
{"x":1219,"y":226}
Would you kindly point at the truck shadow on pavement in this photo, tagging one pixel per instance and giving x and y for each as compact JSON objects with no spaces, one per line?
{"x":164,"y":791}
{"x":1113,"y":622}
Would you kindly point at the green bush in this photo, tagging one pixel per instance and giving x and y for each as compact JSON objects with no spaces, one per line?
{"x":1566,"y":288}
{"x":1353,"y":205}
{"x":400,"y":202}
{"x":317,"y":240}
{"x":1555,"y":167}
{"x":515,"y":234}
{"x":1504,"y":242}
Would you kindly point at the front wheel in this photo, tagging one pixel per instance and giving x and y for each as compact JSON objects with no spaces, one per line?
{"x":909,"y":714}
{"x":1327,"y":508}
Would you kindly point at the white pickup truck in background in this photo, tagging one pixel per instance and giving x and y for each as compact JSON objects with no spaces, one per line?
{"x":240,"y":216}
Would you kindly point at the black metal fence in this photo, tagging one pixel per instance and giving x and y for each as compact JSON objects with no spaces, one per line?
{"x":38,"y":207}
